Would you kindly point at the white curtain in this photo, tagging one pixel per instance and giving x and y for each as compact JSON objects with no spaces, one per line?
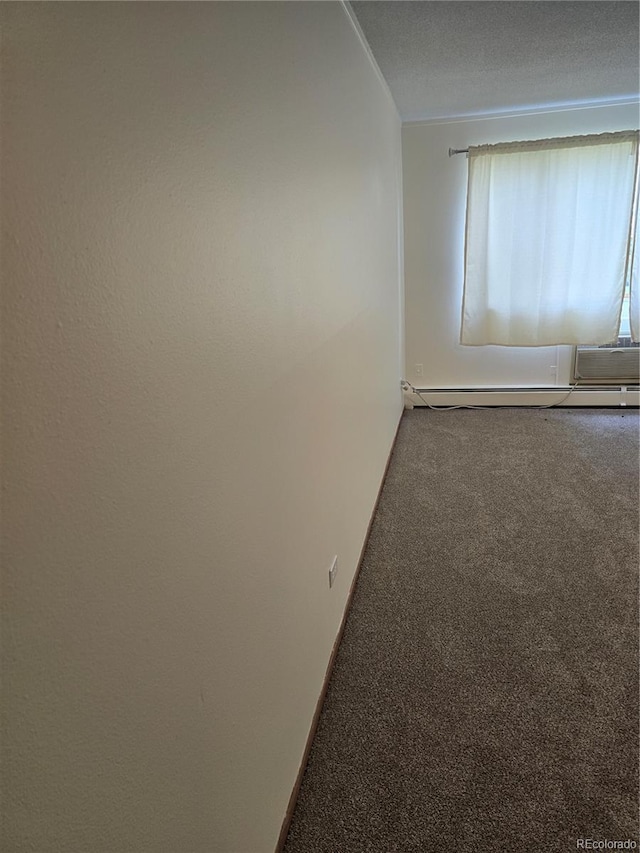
{"x":634,"y":301}
{"x":547,"y":237}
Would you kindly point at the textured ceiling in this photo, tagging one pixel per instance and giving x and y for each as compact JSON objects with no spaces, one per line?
{"x":444,"y":59}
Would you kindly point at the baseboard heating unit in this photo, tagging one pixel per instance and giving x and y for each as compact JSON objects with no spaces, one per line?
{"x":604,"y":394}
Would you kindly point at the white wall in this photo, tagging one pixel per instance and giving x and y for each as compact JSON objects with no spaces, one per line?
{"x":200,"y":364}
{"x":434,"y":207}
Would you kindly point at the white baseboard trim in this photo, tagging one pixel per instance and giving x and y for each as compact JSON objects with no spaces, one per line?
{"x":613,"y":395}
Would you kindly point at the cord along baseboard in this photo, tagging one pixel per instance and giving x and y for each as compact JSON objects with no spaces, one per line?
{"x":580,"y":395}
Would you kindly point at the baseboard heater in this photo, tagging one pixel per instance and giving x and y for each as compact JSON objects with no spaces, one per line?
{"x":543,"y":395}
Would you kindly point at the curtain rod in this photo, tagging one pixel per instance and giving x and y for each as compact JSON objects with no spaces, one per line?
{"x":560,"y":142}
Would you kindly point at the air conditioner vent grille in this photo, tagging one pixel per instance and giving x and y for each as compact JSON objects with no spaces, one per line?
{"x":611,"y":364}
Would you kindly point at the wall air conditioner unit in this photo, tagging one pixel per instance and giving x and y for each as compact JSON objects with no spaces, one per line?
{"x":616,"y":364}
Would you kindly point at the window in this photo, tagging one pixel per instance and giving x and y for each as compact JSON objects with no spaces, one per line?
{"x":547,"y":249}
{"x":624,"y":331}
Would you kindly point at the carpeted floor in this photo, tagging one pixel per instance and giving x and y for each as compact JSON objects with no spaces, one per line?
{"x":485,"y":695}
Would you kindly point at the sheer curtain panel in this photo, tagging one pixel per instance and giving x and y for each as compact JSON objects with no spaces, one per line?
{"x":634,"y":300}
{"x":547,"y":240}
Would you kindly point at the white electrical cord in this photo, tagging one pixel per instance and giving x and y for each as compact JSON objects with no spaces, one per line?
{"x":407,"y":386}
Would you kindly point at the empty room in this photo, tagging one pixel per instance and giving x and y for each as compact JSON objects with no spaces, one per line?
{"x":320,"y":428}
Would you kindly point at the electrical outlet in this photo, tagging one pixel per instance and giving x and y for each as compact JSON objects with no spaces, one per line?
{"x":333,"y":571}
{"x":417,"y":369}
